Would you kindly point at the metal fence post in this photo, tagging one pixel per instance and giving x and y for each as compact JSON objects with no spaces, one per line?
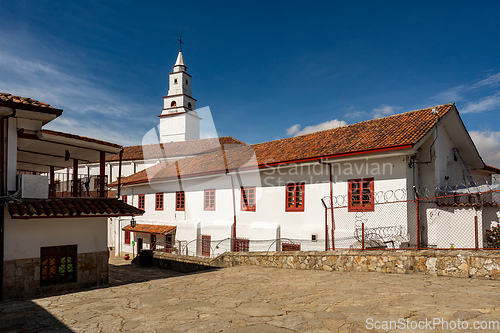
{"x":476,"y":232}
{"x":417,"y":202}
{"x":363,"y":235}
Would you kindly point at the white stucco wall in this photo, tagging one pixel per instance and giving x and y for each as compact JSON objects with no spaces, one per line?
{"x":270,"y":218}
{"x":24,"y":238}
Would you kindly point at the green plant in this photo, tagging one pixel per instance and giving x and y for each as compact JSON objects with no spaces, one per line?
{"x":492,"y":237}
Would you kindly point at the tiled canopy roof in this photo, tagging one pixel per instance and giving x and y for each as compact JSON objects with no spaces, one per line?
{"x":152,"y":229}
{"x":17,"y":101}
{"x":395,"y":132}
{"x":82,"y":138}
{"x":171,"y":149}
{"x":69,"y":207}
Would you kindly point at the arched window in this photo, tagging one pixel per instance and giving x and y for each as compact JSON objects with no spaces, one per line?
{"x":187,"y":82}
{"x":173,"y":103}
{"x":189,"y":105}
{"x":175,"y":81}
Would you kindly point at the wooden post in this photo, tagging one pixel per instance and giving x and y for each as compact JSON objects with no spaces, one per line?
{"x":75,"y":178}
{"x":102,"y":174}
{"x":118,"y":193}
{"x":52,"y":185}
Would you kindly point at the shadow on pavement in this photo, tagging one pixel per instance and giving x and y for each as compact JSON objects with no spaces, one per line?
{"x":124,"y":272}
{"x":26,"y":316}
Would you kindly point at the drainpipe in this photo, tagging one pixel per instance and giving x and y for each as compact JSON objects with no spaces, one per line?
{"x":330,"y":172}
{"x":3,"y":193}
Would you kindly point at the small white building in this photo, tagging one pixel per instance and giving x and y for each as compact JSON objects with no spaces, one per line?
{"x":49,"y":243}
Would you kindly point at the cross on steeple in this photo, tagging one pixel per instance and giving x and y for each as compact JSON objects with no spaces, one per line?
{"x":180,"y":43}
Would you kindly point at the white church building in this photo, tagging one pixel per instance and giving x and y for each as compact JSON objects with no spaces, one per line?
{"x":208,"y":196}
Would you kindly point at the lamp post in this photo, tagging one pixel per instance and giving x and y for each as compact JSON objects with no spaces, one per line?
{"x":133,"y":224}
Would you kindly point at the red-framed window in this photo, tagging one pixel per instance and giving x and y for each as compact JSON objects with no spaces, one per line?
{"x":209,"y":200}
{"x":295,"y":197}
{"x":180,"y":199}
{"x":290,"y":247}
{"x":241,"y":245}
{"x":58,"y":264}
{"x":361,"y":195}
{"x":248,"y":199}
{"x":142,"y":201}
{"x":124,"y":198}
{"x":205,"y":245}
{"x":127,"y":237}
{"x":159,"y":201}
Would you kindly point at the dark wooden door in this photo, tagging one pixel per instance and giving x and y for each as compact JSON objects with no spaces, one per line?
{"x":153,"y":242}
{"x":139,"y":245}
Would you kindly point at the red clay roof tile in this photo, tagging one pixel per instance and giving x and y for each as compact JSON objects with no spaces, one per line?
{"x":69,"y":207}
{"x":151,"y":229}
{"x":172,"y":149}
{"x":26,"y":103}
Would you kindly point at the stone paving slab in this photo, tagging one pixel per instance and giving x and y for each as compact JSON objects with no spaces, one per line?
{"x":253,"y":299}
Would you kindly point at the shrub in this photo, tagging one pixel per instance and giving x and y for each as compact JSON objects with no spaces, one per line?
{"x":492,"y":237}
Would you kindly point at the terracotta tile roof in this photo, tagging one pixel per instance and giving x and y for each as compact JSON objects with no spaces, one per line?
{"x":233,"y":156}
{"x":394,"y":132}
{"x":172,"y":149}
{"x":69,"y":207}
{"x":82,"y":138}
{"x":152,"y":229}
{"x":26,"y":103}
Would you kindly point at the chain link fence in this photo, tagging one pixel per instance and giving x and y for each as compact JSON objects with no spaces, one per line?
{"x":446,"y":217}
{"x":449,"y":217}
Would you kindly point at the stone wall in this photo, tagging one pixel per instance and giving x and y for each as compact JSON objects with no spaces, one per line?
{"x":181,"y":263}
{"x":22,"y":276}
{"x":456,"y":263}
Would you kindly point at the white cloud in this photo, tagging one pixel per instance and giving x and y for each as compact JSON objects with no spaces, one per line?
{"x":487,"y":87}
{"x":454,"y":94}
{"x":385,"y":110}
{"x":492,"y":80}
{"x":64,"y":80}
{"x":293,"y":129}
{"x":488,"y":145}
{"x":485,"y":104}
{"x":296,"y":131}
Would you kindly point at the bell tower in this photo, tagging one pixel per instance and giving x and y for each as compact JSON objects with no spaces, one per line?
{"x":179,"y":120}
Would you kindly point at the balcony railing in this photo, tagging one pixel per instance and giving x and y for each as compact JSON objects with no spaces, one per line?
{"x":87,"y":186}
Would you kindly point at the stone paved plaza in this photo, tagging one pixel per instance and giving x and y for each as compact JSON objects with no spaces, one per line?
{"x":252,"y":299}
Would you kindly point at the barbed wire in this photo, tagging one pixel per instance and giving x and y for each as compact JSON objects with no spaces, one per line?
{"x":479,"y":188}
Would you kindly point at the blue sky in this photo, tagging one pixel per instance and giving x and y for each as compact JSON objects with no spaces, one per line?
{"x":266,"y":69}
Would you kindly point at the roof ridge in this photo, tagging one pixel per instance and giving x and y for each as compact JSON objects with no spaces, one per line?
{"x":171,"y":142}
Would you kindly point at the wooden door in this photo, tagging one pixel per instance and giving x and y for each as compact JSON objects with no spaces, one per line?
{"x":153,"y":242}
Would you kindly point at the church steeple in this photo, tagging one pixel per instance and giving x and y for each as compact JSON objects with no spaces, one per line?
{"x":179,"y":120}
{"x":180,"y":65}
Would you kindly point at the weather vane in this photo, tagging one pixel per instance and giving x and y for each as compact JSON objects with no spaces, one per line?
{"x":180,"y":43}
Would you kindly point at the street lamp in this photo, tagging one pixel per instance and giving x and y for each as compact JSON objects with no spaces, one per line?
{"x":132,"y":222}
